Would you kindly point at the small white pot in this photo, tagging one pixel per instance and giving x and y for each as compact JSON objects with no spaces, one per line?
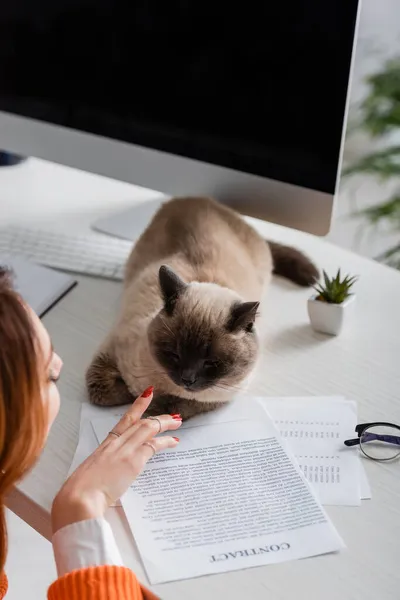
{"x":329,"y":318}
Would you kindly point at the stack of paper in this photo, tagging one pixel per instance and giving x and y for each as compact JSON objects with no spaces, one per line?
{"x":244,"y":486}
{"x":314,"y":430}
{"x":229,"y":497}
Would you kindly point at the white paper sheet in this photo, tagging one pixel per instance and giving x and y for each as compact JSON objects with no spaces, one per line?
{"x":365,"y":488}
{"x":228,"y":497}
{"x":314,"y":429}
{"x":88,"y":442}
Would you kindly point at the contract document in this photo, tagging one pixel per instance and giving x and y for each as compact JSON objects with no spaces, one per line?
{"x":229,"y":497}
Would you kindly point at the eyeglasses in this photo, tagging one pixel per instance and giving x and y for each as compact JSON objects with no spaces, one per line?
{"x":379,"y":441}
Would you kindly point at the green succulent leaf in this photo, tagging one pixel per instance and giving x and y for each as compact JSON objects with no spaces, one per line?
{"x":335,"y":290}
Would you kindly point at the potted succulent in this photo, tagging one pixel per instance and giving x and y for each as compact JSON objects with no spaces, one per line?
{"x":331,"y":305}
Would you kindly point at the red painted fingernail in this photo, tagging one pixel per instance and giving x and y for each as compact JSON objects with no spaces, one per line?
{"x":148,"y":391}
{"x":177,"y":417}
{"x":176,"y":439}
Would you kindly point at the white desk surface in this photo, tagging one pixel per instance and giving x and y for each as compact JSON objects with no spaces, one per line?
{"x":363,"y":364}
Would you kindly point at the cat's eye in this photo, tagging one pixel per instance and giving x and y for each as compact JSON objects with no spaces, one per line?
{"x":210,"y":363}
{"x":250,"y":327}
{"x":174,"y":356}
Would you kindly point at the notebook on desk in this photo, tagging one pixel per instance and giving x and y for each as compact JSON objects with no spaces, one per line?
{"x":39,"y":286}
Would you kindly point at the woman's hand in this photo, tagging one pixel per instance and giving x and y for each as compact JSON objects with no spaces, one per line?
{"x":110,"y":470}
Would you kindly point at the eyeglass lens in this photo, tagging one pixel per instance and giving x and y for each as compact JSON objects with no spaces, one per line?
{"x":381,"y":442}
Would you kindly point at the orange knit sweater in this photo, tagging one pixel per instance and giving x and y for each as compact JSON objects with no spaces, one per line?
{"x":94,"y":583}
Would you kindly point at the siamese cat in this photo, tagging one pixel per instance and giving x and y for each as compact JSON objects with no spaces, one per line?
{"x":187,"y":322}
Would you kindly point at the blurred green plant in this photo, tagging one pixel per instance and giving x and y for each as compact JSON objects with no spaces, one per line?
{"x":380,"y":117}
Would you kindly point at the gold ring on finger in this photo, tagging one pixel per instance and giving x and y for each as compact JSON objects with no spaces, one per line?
{"x":114,"y":433}
{"x":151,"y":446}
{"x":159,"y":423}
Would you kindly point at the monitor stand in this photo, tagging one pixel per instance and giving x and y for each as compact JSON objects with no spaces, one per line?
{"x":130,"y":224}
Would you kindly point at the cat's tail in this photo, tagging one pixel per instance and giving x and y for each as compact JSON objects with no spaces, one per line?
{"x":293,"y":264}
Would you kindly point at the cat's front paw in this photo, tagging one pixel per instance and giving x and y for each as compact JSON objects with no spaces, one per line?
{"x":170,"y":405}
{"x":104,"y":383}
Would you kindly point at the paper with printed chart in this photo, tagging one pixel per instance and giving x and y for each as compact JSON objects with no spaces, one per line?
{"x":228,"y":497}
{"x":315,"y":429}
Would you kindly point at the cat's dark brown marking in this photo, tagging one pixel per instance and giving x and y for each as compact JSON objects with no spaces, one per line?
{"x":293,"y":264}
{"x":105,"y":384}
{"x":169,"y":405}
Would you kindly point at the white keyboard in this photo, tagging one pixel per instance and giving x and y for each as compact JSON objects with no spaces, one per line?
{"x":92,"y":254}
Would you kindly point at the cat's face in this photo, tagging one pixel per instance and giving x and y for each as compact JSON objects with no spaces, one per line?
{"x":204,"y":337}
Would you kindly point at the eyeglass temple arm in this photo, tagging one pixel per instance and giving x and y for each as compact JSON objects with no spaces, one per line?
{"x":371,"y":437}
{"x":363,"y":426}
{"x":381,"y":437}
{"x":353,"y":442}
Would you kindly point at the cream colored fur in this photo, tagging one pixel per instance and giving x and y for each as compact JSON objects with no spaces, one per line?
{"x":228,"y":261}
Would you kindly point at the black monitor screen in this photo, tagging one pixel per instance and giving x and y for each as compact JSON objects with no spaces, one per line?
{"x":259,"y":87}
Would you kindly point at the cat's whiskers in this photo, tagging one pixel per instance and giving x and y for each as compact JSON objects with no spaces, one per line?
{"x":228,"y":387}
{"x":167,"y":327}
{"x":147,"y":374}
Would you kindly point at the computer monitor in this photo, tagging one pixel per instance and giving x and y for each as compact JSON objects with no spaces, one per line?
{"x":243,"y":102}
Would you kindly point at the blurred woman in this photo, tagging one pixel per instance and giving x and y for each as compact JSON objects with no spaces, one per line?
{"x":88,"y":562}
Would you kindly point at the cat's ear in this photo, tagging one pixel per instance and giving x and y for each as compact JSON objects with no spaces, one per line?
{"x":171,"y":286}
{"x":243,"y":315}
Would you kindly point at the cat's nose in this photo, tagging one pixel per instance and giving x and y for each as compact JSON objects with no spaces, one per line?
{"x":188,"y":377}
